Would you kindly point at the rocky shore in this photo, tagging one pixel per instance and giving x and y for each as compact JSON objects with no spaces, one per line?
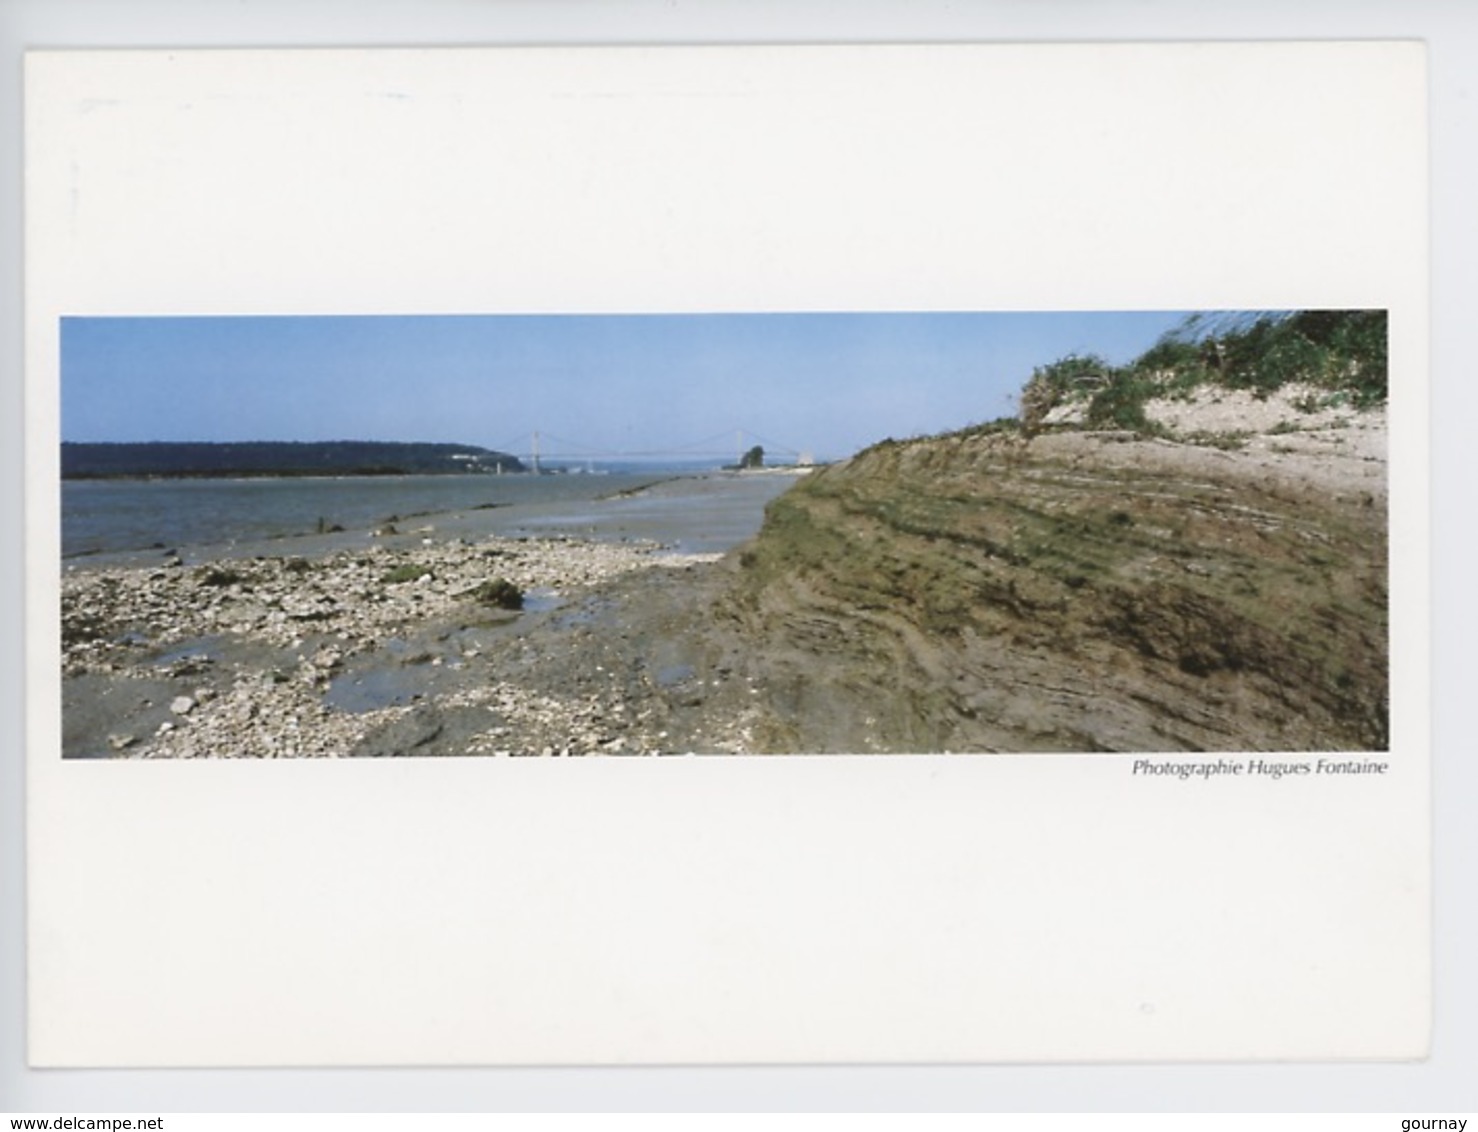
{"x":372,"y":651}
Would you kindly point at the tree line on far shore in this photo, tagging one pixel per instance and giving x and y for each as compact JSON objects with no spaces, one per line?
{"x":278,"y":458}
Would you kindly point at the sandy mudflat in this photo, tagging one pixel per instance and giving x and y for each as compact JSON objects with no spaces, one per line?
{"x":392,"y":644}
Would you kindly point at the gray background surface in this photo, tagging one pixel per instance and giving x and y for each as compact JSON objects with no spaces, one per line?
{"x":1443,"y":1083}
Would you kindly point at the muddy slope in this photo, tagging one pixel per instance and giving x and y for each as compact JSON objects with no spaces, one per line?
{"x":1075,"y":592}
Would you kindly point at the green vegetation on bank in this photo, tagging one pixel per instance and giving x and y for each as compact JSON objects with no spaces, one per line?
{"x":1340,"y":353}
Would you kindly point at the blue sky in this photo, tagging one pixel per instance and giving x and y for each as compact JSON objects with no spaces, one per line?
{"x":827,"y":384}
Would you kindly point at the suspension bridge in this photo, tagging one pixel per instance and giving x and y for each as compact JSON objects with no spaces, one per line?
{"x":542,"y":450}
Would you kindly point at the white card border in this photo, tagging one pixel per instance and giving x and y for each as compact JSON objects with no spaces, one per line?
{"x":269,"y":1075}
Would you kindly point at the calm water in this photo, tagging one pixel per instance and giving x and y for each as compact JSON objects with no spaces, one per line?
{"x":111,"y":516}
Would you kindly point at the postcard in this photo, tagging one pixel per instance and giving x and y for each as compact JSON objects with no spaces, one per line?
{"x":718,"y":555}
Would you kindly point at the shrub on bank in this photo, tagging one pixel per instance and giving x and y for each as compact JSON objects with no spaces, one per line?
{"x":1120,"y":403}
{"x":1051,"y":385}
{"x":1342,"y":352}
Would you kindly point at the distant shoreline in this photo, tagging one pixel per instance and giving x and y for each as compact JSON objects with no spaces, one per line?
{"x":285,"y":474}
{"x":277,"y":459}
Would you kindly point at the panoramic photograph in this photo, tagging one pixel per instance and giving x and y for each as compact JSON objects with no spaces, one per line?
{"x":752,"y":534}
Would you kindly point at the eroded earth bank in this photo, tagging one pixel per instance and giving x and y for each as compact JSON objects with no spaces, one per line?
{"x":1079,"y":591}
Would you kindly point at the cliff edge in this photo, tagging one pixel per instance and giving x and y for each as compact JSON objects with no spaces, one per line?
{"x":1215,"y":581}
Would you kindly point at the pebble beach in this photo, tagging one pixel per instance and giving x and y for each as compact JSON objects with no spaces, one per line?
{"x":376,"y":644}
